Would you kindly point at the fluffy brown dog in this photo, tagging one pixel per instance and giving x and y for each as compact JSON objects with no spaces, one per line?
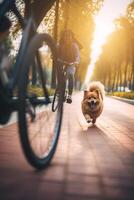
{"x":92,"y":103}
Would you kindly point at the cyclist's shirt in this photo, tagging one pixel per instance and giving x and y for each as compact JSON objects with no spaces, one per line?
{"x":69,"y":53}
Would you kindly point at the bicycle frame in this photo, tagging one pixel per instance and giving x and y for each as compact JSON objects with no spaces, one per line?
{"x":10,"y":5}
{"x":25,"y":102}
{"x":20,"y":56}
{"x":28,"y":29}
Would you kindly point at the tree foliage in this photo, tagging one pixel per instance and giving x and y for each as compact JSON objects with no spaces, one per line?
{"x":115,"y":67}
{"x":76,"y":15}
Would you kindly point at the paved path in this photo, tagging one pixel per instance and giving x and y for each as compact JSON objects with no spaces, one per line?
{"x":91,"y":163}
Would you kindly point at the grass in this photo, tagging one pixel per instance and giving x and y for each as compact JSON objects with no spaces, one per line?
{"x":127,"y":95}
{"x":39,"y":91}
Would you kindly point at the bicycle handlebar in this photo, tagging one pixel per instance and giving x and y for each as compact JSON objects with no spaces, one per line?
{"x":67,"y":63}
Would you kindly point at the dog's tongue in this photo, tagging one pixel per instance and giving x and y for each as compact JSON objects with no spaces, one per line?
{"x":92,"y":105}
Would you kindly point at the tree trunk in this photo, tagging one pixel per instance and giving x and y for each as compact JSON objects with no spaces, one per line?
{"x":133,"y":83}
{"x":120,"y":80}
{"x":117,"y":81}
{"x":114,"y":79}
{"x":34,"y":73}
{"x":67,"y":8}
{"x":55,"y":34}
{"x":132,"y":88}
{"x":109,"y":82}
{"x":125,"y":76}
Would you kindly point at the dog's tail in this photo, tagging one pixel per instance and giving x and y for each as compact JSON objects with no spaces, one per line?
{"x":96,"y":85}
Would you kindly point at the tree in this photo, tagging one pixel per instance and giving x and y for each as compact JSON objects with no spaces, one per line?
{"x":118,"y":55}
{"x":56,"y":15}
{"x":78,"y":16}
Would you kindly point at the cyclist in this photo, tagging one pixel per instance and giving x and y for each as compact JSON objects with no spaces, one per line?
{"x":68,"y":51}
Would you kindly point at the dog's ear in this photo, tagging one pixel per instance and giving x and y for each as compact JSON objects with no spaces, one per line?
{"x":97,"y":92}
{"x":85,"y":93}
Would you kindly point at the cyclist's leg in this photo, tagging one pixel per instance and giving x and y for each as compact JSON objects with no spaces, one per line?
{"x":70,"y":84}
{"x":70,"y":75}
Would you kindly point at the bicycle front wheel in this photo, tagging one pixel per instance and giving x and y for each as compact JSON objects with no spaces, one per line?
{"x":39,"y":126}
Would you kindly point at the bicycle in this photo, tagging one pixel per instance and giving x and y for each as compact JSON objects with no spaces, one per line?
{"x":64,"y":83}
{"x":29,"y":91}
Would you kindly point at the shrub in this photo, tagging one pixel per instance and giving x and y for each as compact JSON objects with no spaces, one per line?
{"x":127,"y":95}
{"x":39,"y":91}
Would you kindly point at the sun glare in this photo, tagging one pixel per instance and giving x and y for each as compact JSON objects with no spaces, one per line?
{"x":104,"y":25}
{"x":101,"y":32}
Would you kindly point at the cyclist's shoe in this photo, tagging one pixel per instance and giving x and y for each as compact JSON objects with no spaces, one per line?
{"x":30,"y":110}
{"x":69,"y":99}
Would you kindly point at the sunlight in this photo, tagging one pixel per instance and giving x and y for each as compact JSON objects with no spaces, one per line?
{"x":101,"y":32}
{"x":104,"y":25}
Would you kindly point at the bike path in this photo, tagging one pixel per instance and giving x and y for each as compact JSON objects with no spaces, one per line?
{"x":91,"y":162}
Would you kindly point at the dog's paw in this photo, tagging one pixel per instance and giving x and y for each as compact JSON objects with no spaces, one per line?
{"x":88,"y":121}
{"x":87,"y":117}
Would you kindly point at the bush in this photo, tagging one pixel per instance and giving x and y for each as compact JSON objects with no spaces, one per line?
{"x":39,"y":91}
{"x":127,"y":95}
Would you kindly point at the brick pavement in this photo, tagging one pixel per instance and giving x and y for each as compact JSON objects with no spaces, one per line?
{"x":91,"y":163}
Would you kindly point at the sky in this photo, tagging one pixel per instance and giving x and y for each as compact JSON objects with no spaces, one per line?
{"x":111,"y":10}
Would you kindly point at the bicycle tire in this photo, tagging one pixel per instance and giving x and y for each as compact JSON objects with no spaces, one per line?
{"x":64,"y":91}
{"x":55,"y":101}
{"x":37,"y":161}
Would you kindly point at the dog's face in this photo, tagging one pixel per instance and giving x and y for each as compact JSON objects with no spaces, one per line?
{"x":92,"y":99}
